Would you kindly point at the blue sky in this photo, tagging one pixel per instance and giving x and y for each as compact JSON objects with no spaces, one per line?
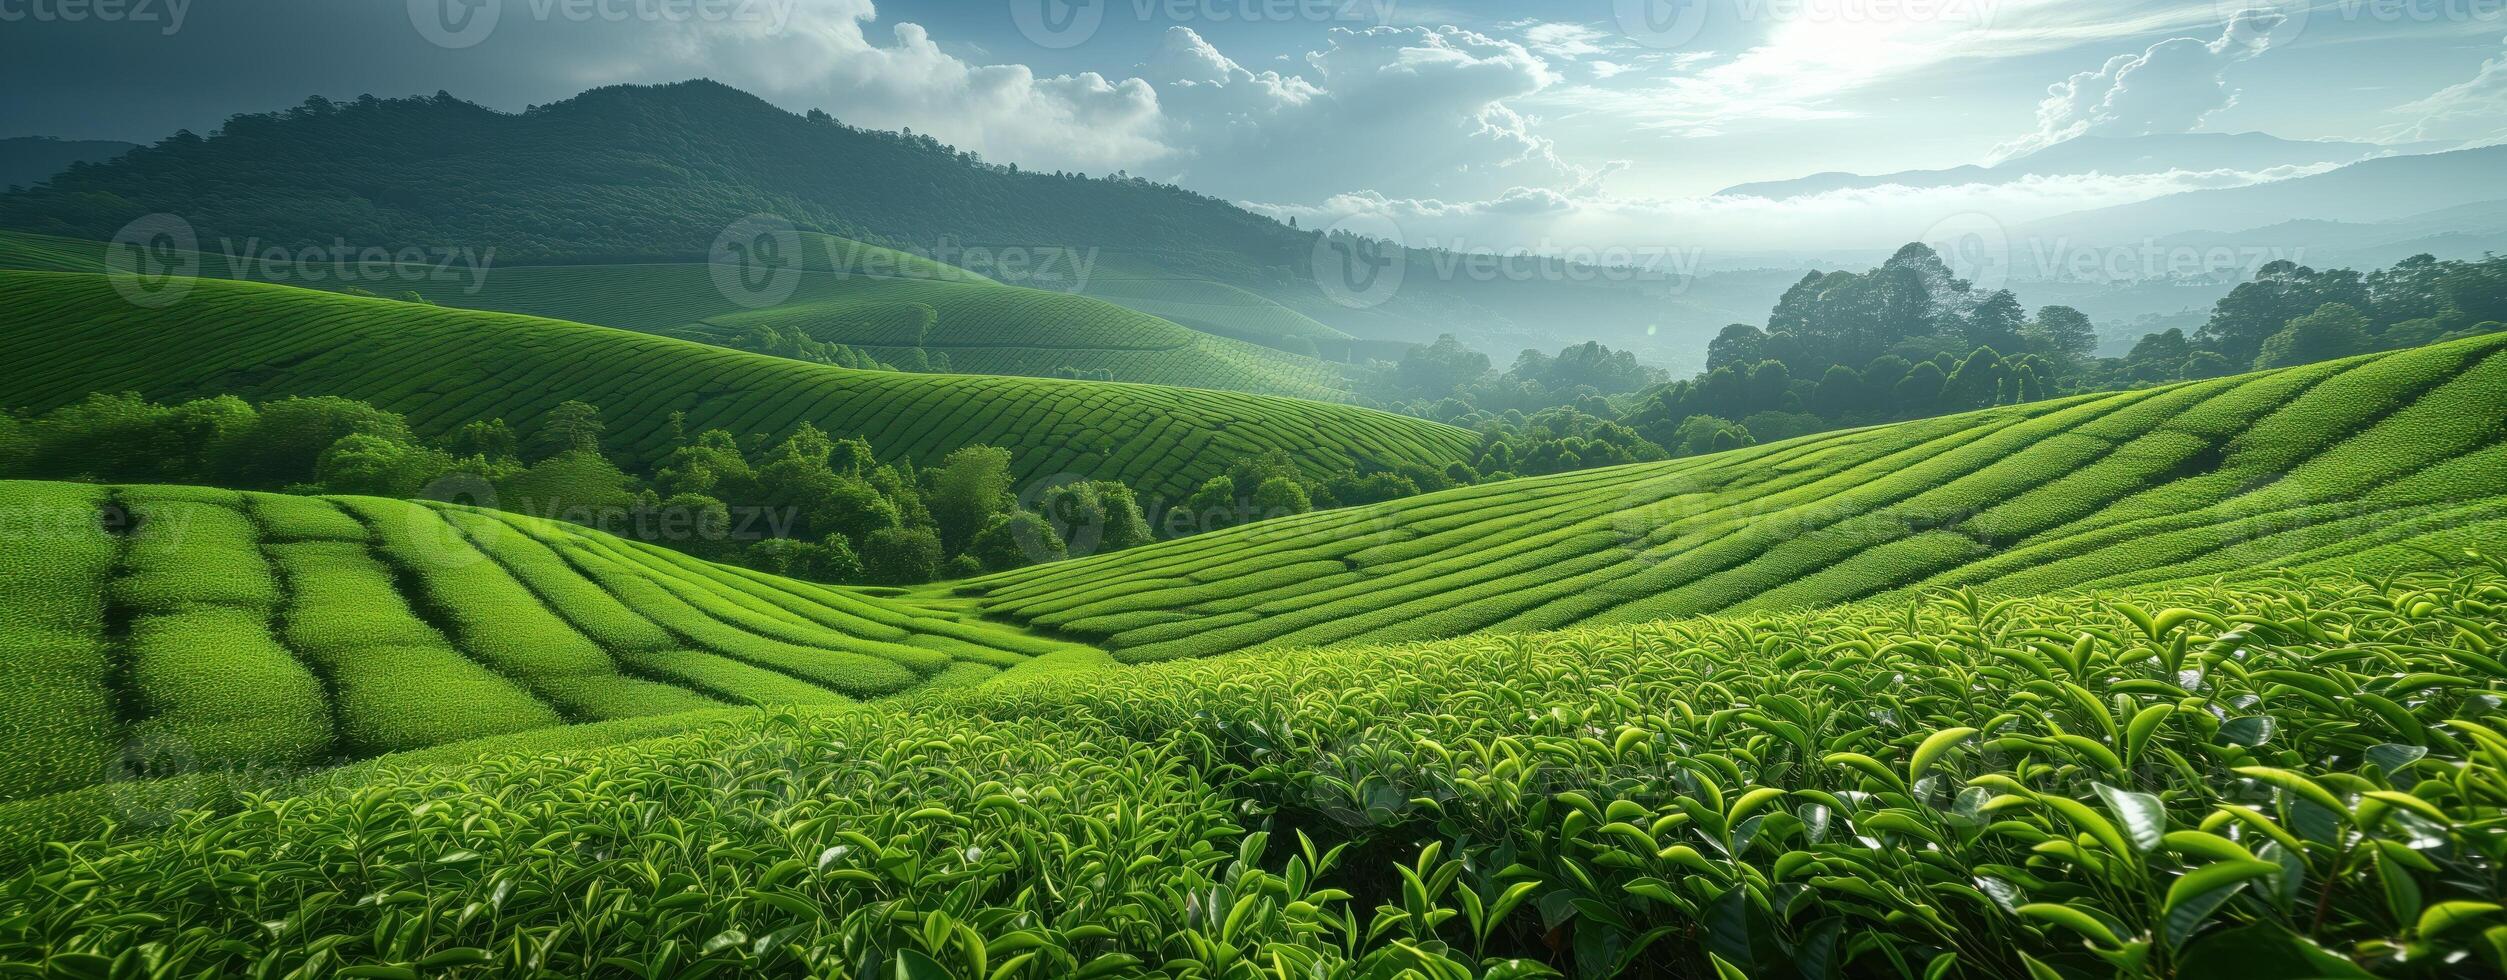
{"x":1590,"y":121}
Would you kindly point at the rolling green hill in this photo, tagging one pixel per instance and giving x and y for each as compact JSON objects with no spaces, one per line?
{"x":1998,"y":792}
{"x":150,"y":630}
{"x":653,"y":173}
{"x":2306,"y":465}
{"x":886,"y":303}
{"x":73,"y":334}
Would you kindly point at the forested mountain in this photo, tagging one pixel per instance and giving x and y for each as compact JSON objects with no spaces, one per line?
{"x":657,"y":172}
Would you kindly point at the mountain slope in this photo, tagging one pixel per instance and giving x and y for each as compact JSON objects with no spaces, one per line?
{"x":895,"y":306}
{"x":154,"y":630}
{"x":2150,"y":154}
{"x":2289,"y":467}
{"x":648,"y":173}
{"x":75,"y":334}
{"x":2384,"y":189}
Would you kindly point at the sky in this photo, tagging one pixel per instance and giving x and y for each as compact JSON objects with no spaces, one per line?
{"x":1575,"y":124}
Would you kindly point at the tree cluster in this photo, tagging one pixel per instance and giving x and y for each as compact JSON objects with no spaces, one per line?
{"x":808,"y":505}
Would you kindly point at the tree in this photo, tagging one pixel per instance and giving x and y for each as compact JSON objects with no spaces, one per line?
{"x":1125,"y":527}
{"x":283,"y":447}
{"x":1016,"y":540}
{"x":1213,"y":504}
{"x":378,"y":467}
{"x":1996,"y":322}
{"x":1839,"y":395}
{"x":1437,"y":369}
{"x":1769,"y":385}
{"x":2158,"y":356}
{"x":1975,"y":383}
{"x":2063,"y":334}
{"x":1373,"y":488}
{"x":487,"y":438}
{"x":2205,"y":364}
{"x":2333,"y":330}
{"x":969,"y":486}
{"x":1280,"y":497}
{"x":900,"y":556}
{"x":1702,"y":434}
{"x":1919,"y":392}
{"x":1738,"y":345}
{"x":583,"y":487}
{"x":2281,"y":291}
{"x":17,"y":445}
{"x":853,"y":508}
{"x":571,"y":427}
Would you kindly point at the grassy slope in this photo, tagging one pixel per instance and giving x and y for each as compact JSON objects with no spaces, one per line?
{"x":73,"y":334}
{"x":2290,"y":467}
{"x":1604,"y":770}
{"x":878,"y":299}
{"x":232,"y":629}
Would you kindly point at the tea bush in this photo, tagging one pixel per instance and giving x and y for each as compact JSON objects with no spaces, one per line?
{"x":2284,"y":778}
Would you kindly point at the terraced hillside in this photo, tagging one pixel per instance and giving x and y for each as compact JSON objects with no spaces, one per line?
{"x":2341,"y":463}
{"x":72,"y":334}
{"x":1214,"y":307}
{"x":149,"y":629}
{"x":885,"y":302}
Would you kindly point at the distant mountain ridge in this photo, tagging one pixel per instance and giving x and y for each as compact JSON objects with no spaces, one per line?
{"x":28,"y":160}
{"x":2383,"y":189}
{"x":2249,"y":152}
{"x":654,"y":173}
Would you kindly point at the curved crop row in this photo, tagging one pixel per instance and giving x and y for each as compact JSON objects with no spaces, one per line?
{"x":2287,"y":778}
{"x":842,"y":292}
{"x":2138,"y":487}
{"x":262,"y":631}
{"x":73,"y":334}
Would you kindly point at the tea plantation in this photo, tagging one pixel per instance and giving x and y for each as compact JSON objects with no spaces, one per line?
{"x":883,"y":302}
{"x":150,"y":631}
{"x":2286,"y":778}
{"x":2340,"y":464}
{"x":72,"y":334}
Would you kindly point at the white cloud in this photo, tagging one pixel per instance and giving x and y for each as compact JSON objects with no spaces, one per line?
{"x":1422,"y":110}
{"x":824,"y":57}
{"x":2473,"y":111}
{"x":1813,"y":59}
{"x":1543,"y":221}
{"x":2169,"y":88}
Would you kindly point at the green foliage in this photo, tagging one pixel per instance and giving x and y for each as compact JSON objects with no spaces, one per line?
{"x":2292,"y":778}
{"x":970,"y":487}
{"x":1016,"y":540}
{"x":901,"y":556}
{"x":2324,"y":465}
{"x":173,"y":632}
{"x":2333,"y":330}
{"x":447,"y":368}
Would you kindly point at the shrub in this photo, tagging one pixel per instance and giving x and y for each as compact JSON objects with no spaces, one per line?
{"x":901,"y":556}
